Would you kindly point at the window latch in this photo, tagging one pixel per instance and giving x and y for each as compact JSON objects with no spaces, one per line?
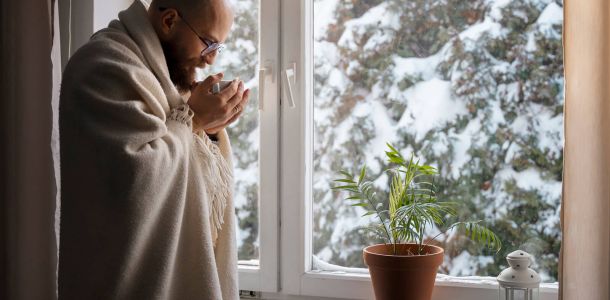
{"x":262,"y":74}
{"x":289,"y":74}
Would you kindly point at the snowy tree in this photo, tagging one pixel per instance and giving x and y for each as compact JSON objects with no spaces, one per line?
{"x":473,"y":87}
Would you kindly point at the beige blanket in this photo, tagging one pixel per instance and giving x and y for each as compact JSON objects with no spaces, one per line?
{"x":146,"y":209}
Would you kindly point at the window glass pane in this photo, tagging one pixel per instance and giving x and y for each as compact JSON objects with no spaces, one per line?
{"x":474,"y":88}
{"x":240,"y":59}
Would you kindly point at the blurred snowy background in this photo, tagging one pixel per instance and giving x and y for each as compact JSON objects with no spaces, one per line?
{"x":473,"y":87}
{"x":240,"y":60}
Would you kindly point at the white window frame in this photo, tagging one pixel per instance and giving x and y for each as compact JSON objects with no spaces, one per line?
{"x":297,"y":277}
{"x":264,"y":277}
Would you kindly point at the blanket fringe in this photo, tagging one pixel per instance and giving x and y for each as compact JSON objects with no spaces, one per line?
{"x":218,"y":179}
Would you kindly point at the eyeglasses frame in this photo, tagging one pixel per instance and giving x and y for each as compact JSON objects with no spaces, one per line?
{"x":210,"y":46}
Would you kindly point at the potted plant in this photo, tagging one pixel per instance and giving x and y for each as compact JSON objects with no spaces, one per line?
{"x":405,"y":266}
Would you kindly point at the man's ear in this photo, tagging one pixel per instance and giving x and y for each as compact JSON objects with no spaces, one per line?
{"x":169,"y":19}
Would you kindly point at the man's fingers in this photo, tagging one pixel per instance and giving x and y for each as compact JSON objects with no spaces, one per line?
{"x":236,"y":113}
{"x":237,"y":110}
{"x":227,"y":123}
{"x":245,"y":98}
{"x":241,"y":106}
{"x":234,"y":118}
{"x":237,"y":97}
{"x":207,"y":83}
{"x":229,"y":91}
{"x":245,"y":95}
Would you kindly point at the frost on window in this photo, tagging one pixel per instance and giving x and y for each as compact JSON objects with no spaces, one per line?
{"x":473,"y":87}
{"x":240,"y":59}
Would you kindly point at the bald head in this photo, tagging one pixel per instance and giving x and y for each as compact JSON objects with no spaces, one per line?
{"x":197,"y":8}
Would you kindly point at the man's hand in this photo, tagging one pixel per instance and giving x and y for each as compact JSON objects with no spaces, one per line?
{"x":214,"y":112}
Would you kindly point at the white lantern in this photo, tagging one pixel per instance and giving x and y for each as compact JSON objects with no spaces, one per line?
{"x":519,"y":282}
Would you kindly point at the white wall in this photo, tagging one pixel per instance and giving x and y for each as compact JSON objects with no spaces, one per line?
{"x":79,"y":19}
{"x":106,"y":11}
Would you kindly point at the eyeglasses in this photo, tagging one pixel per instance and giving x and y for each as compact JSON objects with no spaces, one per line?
{"x":209,"y":46}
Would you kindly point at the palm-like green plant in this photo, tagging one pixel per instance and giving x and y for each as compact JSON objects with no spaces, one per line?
{"x":412,"y":205}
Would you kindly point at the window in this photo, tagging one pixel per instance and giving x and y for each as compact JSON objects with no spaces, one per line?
{"x":472,"y":87}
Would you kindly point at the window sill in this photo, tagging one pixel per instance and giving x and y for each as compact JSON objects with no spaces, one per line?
{"x":340,"y":285}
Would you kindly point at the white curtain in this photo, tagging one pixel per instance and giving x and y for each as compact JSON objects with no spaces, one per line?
{"x":585,"y":254}
{"x":57,"y":66}
{"x":30,"y":77}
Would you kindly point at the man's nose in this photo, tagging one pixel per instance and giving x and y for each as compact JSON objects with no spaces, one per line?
{"x":210,"y":57}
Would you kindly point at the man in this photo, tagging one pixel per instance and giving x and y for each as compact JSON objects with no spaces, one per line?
{"x":147,"y":210}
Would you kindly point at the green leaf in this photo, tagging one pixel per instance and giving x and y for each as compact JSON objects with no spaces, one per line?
{"x":344,"y":180}
{"x":391,"y":147}
{"x":343,"y":187}
{"x":346,"y":174}
{"x":480,"y":234}
{"x":362,"y":173}
{"x":368,"y":213}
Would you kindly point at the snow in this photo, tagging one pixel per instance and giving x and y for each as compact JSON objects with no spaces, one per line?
{"x":384,"y":130}
{"x":511,"y":152}
{"x":320,"y":264}
{"x":423,"y":67}
{"x":347,"y":40}
{"x":323,"y":15}
{"x":324,"y":255}
{"x":378,"y":17}
{"x":479,"y":280}
{"x":380,"y":37}
{"x":531,"y":179}
{"x":496,"y":116}
{"x":474,"y":32}
{"x":464,"y":263}
{"x":429,"y":104}
{"x":461,"y":144}
{"x":327,"y":53}
{"x":552,"y":14}
{"x":549,"y":131}
{"x":247,"y":175}
{"x":520,"y":124}
{"x":496,"y":8}
{"x":337,"y":79}
{"x":246,"y":45}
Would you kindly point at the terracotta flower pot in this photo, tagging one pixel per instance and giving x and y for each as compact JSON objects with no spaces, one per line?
{"x":403,"y":276}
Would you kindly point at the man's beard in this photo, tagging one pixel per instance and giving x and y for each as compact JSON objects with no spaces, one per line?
{"x":180,"y":74}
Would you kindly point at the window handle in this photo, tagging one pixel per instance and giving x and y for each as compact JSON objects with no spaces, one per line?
{"x":262,"y":76}
{"x":261,"y":87}
{"x":290,"y":74}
